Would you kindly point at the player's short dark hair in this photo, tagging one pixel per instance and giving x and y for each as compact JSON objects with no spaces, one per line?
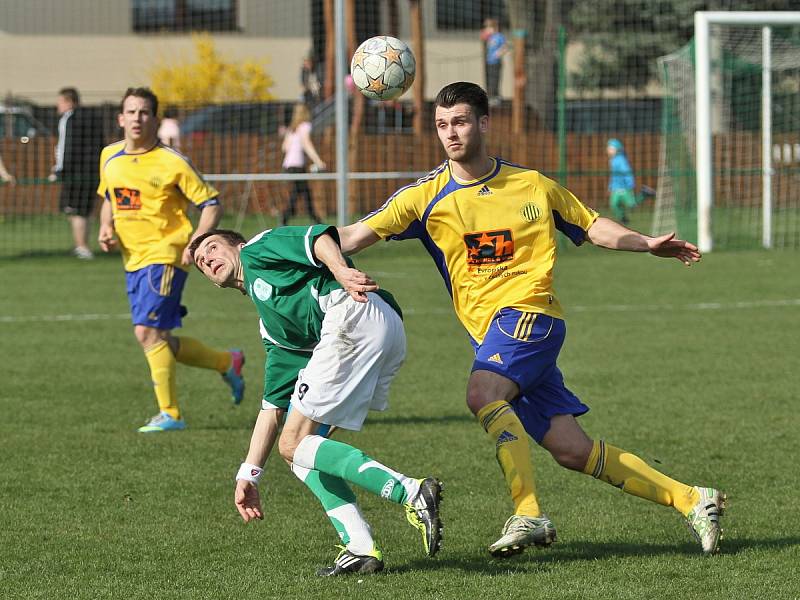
{"x":140,"y":92}
{"x":234,"y":238}
{"x":464,"y":92}
{"x":71,"y":94}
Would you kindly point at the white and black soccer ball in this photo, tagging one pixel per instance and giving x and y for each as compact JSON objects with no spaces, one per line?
{"x":383,"y":68}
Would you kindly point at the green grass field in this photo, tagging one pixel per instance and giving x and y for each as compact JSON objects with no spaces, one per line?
{"x":693,"y":369}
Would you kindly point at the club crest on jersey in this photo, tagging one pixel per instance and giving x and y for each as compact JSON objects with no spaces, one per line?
{"x":128,"y":199}
{"x":489,"y":247}
{"x":530,"y":212}
{"x":262,"y":289}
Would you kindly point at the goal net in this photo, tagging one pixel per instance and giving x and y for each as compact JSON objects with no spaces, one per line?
{"x":753,"y":91}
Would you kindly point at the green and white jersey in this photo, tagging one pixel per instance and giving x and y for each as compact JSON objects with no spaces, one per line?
{"x":288,"y":285}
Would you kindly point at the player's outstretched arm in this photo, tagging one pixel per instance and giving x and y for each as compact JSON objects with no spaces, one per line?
{"x":246,"y":496}
{"x":666,"y":246}
{"x":248,"y":500}
{"x":356,"y":237}
{"x":610,"y":234}
{"x":355,"y":282}
{"x":210,"y":217}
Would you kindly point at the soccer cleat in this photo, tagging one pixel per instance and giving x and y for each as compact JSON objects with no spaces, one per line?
{"x":162,"y":422}
{"x":233,"y":376}
{"x":520,"y":531}
{"x":347,"y":562}
{"x":703,"y":519}
{"x":423,"y":514}
{"x":83,"y":253}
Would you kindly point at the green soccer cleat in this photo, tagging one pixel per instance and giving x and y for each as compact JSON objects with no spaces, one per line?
{"x":703,"y":519}
{"x":423,"y":514}
{"x":347,"y":562}
{"x":520,"y":531}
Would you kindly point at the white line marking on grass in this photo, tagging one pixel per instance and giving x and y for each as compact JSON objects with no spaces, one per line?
{"x":792,"y":302}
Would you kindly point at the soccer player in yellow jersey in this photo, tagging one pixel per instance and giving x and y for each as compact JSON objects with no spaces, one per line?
{"x":490,"y":227}
{"x":146,"y":188}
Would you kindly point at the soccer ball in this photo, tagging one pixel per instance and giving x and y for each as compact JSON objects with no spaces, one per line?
{"x":383,"y":68}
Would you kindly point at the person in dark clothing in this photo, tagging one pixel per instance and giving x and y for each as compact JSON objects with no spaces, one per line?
{"x":80,"y":140}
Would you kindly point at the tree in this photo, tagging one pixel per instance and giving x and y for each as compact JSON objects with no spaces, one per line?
{"x":534,"y":28}
{"x":210,"y":78}
{"x":623,"y":38}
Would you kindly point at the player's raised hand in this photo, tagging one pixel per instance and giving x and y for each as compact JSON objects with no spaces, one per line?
{"x":186,"y":257}
{"x":106,"y":238}
{"x":247,"y":500}
{"x":666,"y":246}
{"x":355,"y":282}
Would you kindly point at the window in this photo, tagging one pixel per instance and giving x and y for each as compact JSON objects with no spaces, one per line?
{"x":459,"y":15}
{"x":184,"y":15}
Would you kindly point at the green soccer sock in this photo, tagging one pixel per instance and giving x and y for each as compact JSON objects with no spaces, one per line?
{"x":352,"y":465}
{"x":339,"y":503}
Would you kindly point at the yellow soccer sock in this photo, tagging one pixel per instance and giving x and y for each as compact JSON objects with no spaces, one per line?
{"x":634,"y":476}
{"x":162,"y":370}
{"x":195,"y":353}
{"x":513,"y":454}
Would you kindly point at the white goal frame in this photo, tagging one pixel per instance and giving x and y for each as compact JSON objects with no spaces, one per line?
{"x":703,"y":157}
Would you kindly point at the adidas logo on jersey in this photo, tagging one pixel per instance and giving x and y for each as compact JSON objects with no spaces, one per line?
{"x":505,"y":437}
{"x":495,"y":358}
{"x":484,"y":191}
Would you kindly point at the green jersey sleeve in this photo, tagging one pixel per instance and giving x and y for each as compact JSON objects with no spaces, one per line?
{"x":293,"y":244}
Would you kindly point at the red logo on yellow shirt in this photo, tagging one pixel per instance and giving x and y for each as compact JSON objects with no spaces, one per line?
{"x":489,"y":247}
{"x":128,"y":199}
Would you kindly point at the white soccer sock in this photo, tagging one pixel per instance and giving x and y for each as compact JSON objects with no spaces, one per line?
{"x":349,"y":515}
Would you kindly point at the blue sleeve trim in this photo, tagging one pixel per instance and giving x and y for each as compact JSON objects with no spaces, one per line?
{"x":576,"y":235}
{"x":433,"y":174}
{"x":211,"y":202}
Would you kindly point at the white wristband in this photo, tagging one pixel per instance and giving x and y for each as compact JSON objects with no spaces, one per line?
{"x":250,"y":472}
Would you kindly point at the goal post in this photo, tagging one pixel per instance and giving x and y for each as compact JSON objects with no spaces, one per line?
{"x":704,"y":159}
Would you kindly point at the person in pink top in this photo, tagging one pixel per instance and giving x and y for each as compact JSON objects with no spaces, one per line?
{"x":296,"y":145}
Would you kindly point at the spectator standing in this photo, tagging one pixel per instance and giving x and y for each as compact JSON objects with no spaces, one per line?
{"x":496,"y":48}
{"x":309,"y":79}
{"x":80,"y":141}
{"x":296,"y":145}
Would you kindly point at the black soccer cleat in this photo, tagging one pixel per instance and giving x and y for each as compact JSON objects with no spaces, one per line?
{"x":423,"y":514}
{"x":347,"y":562}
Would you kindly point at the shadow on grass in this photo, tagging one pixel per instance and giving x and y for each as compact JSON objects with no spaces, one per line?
{"x":420,"y":420}
{"x":372,"y":421}
{"x":534,"y":560}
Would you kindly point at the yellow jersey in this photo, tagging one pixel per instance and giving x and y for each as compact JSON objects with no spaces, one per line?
{"x":149,"y":194}
{"x":492,"y":239}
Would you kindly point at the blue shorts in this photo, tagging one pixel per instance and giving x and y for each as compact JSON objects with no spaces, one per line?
{"x":154,"y":293}
{"x":523,"y":347}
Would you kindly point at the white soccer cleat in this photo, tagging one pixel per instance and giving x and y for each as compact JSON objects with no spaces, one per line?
{"x":520,"y":531}
{"x":703,"y":519}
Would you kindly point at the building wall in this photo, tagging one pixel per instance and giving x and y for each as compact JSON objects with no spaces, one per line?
{"x":89,"y":44}
{"x":65,"y":17}
{"x":103,"y":66}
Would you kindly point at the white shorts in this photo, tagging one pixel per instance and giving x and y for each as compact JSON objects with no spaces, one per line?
{"x":361,"y":348}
